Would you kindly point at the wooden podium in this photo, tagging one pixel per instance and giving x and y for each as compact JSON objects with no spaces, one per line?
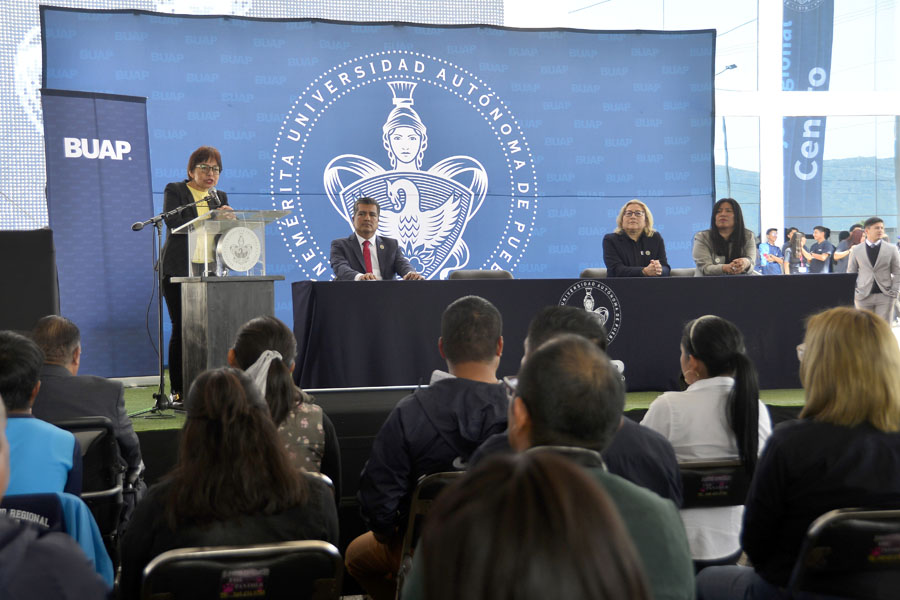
{"x":227,"y":285}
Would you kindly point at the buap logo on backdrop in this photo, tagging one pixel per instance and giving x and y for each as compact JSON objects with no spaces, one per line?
{"x":428,"y":201}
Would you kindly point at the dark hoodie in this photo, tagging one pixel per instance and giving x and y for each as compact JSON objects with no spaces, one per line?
{"x":42,"y":564}
{"x":434,"y":429}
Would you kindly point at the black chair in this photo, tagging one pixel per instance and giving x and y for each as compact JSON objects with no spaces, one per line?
{"x":103,"y":475}
{"x":711,"y":484}
{"x":593,"y":273}
{"x":851,"y":553}
{"x":297,"y":570}
{"x":480,"y":274}
{"x":427,"y":490}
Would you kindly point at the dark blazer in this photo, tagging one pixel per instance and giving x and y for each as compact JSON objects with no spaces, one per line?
{"x":66,"y":396}
{"x":347,"y":258}
{"x":626,"y":258}
{"x":174,"y":253}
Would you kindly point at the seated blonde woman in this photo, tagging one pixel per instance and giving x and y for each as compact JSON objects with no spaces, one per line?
{"x":843,"y":452}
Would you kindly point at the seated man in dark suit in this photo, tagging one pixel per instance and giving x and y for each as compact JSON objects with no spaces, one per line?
{"x":352,"y":258}
{"x":66,"y":395}
{"x":638,"y":454}
{"x":40,"y":564}
{"x":432,"y":430}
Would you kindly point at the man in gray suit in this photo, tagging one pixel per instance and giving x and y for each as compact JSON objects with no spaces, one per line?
{"x":364,"y":256}
{"x":877,"y":265}
{"x":66,"y":395}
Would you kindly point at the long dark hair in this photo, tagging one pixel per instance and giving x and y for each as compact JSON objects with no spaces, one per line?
{"x":268,"y":333}
{"x":733,"y":247}
{"x":513,"y":520}
{"x":230,"y":461}
{"x":719,"y":344}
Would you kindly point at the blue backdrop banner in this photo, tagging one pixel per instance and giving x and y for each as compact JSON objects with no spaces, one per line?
{"x":98,"y":184}
{"x":486,"y":147}
{"x":807,"y":32}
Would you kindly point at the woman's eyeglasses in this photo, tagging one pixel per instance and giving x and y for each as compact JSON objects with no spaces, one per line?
{"x":634,"y":213}
{"x":208,"y":168}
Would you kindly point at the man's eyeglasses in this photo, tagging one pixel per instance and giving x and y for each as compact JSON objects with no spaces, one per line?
{"x":208,"y":168}
{"x":634,"y":213}
{"x":510,"y":384}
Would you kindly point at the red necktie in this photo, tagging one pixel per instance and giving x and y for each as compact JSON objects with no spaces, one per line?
{"x":367,"y":256}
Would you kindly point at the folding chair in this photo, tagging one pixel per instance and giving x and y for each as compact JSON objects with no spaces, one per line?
{"x":851,"y":553}
{"x":298,"y":570}
{"x":103,"y":474}
{"x":712,"y":484}
{"x":427,"y":490}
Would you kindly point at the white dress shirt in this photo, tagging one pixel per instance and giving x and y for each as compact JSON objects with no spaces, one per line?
{"x":373,"y":253}
{"x":694,"y":421}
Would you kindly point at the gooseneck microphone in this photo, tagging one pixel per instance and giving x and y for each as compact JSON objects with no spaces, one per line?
{"x":212,"y":199}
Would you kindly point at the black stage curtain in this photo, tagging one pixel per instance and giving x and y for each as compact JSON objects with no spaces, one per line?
{"x":29,"y":278}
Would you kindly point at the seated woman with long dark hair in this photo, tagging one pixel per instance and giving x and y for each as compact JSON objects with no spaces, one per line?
{"x":843,"y":452}
{"x":727,"y":247}
{"x":718,"y":417}
{"x":265,"y":349}
{"x":233,"y":483}
{"x":528,"y":526}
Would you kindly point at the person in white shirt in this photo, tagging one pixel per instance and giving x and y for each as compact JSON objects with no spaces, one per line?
{"x":718,"y":417}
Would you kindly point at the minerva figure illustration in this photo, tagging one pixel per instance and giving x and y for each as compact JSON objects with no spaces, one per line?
{"x":425,"y":211}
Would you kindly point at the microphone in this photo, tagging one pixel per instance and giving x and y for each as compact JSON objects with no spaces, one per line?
{"x":212,"y":199}
{"x":137,"y":226}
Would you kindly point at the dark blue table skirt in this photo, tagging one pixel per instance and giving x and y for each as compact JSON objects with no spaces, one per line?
{"x":378,"y":333}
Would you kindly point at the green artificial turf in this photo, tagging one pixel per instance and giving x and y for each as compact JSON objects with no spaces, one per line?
{"x":141,"y":398}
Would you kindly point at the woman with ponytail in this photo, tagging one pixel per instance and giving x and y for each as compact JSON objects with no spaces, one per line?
{"x":265,"y":349}
{"x":718,"y":417}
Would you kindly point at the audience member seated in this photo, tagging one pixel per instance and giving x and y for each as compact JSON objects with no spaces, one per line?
{"x":726,"y":248}
{"x":66,"y":395}
{"x":636,"y":453}
{"x":569,"y":395}
{"x":507,"y":530}
{"x":635,"y":249}
{"x":233,"y":483}
{"x":432,"y":430}
{"x":45,"y":459}
{"x":265,"y":349}
{"x":718,"y":417}
{"x":36,"y":563}
{"x":843,"y":452}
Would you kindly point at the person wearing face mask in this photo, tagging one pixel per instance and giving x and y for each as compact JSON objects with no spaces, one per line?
{"x":634,"y":249}
{"x":203,"y":170}
{"x":726,"y":248}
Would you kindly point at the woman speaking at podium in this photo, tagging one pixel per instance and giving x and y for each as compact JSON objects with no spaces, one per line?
{"x":198,"y":195}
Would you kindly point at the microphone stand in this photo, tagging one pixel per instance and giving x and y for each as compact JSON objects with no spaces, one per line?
{"x":162,"y":402}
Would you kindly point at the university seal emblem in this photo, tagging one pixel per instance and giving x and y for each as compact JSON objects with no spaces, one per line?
{"x":472,"y":205}
{"x":598,"y":299}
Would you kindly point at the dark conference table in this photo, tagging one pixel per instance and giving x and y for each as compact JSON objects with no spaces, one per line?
{"x":382,"y":333}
